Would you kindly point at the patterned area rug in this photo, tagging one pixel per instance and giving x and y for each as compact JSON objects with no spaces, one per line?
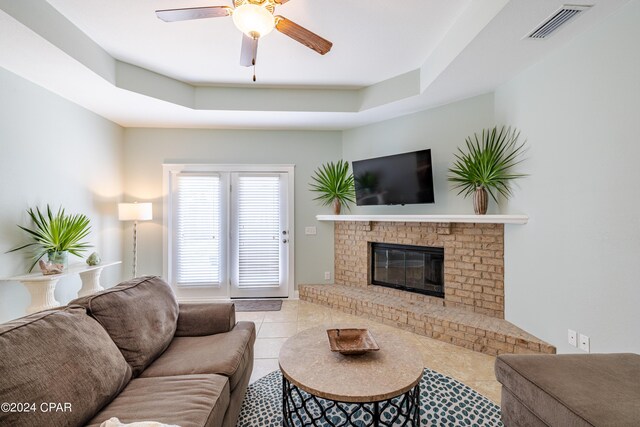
{"x":444,"y":402}
{"x":257,"y":305}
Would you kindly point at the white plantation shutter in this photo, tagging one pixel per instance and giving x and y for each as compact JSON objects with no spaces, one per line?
{"x":198,"y":222}
{"x":259,"y":233}
{"x":228,"y":230}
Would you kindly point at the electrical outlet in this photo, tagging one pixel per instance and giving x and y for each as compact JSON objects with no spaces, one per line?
{"x":310,"y":231}
{"x":572,"y":338}
{"x":584,"y":343}
{"x":327,"y":275}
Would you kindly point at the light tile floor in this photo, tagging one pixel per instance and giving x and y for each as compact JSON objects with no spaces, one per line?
{"x":274,"y":327}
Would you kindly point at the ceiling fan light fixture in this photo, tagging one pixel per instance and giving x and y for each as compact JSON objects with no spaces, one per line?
{"x":252,"y":19}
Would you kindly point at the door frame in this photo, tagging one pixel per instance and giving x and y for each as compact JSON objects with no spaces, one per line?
{"x":202,"y":293}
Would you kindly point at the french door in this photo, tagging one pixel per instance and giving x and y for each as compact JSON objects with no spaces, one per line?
{"x":259,"y":235}
{"x":228,"y":231}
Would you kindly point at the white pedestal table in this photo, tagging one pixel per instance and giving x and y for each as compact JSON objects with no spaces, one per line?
{"x":42,"y":287}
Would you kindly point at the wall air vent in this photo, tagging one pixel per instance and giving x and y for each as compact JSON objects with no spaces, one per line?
{"x":558,"y":19}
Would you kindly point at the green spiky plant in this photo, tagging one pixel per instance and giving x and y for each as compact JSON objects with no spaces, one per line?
{"x":334,"y":183}
{"x":56,"y":233}
{"x":487,"y":162}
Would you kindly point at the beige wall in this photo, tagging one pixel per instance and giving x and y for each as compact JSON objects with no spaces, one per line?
{"x":575,"y":265}
{"x":52,"y":151}
{"x":147,"y":149}
{"x":440,"y":129}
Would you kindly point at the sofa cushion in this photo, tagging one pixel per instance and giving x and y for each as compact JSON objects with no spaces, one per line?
{"x":140,"y":316}
{"x":515,"y":414}
{"x":575,"y":390}
{"x":238,"y":395}
{"x":195,"y":320}
{"x":187,"y":401}
{"x":226,"y":354}
{"x":58,"y":356}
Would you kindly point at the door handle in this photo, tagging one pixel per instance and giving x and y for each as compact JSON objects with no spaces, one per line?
{"x":285,"y":241}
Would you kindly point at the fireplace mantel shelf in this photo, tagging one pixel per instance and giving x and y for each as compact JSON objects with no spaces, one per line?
{"x":475,"y":219}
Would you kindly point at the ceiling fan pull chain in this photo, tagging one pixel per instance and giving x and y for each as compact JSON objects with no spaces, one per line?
{"x":254,"y":69}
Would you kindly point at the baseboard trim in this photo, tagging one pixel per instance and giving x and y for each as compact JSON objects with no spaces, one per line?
{"x":225,"y":299}
{"x":203,"y":299}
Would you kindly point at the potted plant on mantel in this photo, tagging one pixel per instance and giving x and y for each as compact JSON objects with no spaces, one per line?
{"x":56,"y":236}
{"x":486,"y":166}
{"x":334,"y":184}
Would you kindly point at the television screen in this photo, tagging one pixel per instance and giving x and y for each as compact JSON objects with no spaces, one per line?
{"x":400,"y":179}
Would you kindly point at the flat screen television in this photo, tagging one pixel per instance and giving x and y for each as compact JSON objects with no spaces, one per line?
{"x":401,"y":179}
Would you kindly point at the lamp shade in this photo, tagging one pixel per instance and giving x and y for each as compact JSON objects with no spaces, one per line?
{"x":253,"y":19}
{"x":135,"y":211}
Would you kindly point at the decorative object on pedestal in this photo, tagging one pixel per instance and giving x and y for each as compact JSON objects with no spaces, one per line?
{"x":94,"y":259}
{"x":334,"y":184}
{"x":57,"y":236}
{"x":59,"y":258}
{"x":49,"y":268}
{"x":135,"y":212}
{"x":486,"y":166}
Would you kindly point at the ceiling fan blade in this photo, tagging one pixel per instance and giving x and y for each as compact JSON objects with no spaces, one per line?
{"x":302,"y":35}
{"x":172,"y":15}
{"x":249,"y":51}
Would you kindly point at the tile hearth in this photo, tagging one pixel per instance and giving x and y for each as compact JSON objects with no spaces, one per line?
{"x":452,"y":325}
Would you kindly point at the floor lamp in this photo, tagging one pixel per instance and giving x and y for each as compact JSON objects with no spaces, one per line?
{"x":135,"y":212}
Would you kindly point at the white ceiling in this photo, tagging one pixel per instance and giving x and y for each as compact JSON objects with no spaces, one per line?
{"x":372,"y":40}
{"x":386,"y":61}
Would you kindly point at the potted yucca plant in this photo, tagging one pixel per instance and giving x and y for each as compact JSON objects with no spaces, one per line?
{"x":486,"y":165}
{"x":334,"y":184}
{"x":56,"y":235}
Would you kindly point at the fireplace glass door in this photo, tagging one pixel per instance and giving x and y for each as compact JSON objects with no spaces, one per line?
{"x":412,"y":268}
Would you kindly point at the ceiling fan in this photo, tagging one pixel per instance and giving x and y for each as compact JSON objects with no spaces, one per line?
{"x":255,"y":18}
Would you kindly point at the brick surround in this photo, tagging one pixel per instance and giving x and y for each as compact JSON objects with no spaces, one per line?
{"x":473,"y":253}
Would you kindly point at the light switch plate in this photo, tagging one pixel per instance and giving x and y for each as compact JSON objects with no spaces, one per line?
{"x":572,"y":337}
{"x":327,"y":275}
{"x":310,"y":231}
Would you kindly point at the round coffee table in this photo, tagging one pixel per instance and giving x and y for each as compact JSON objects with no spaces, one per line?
{"x":321,"y":388}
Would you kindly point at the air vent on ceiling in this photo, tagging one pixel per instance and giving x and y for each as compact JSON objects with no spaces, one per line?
{"x":555,"y":21}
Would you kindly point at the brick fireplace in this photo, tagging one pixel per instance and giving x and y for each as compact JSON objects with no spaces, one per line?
{"x":473,"y":259}
{"x":470,"y":315}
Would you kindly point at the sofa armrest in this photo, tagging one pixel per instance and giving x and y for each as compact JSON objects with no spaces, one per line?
{"x":196,"y":320}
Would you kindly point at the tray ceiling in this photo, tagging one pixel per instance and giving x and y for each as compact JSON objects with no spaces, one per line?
{"x":389,"y":58}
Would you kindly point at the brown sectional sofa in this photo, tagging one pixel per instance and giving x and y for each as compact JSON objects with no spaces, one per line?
{"x":570,"y":390}
{"x":130,"y":352}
